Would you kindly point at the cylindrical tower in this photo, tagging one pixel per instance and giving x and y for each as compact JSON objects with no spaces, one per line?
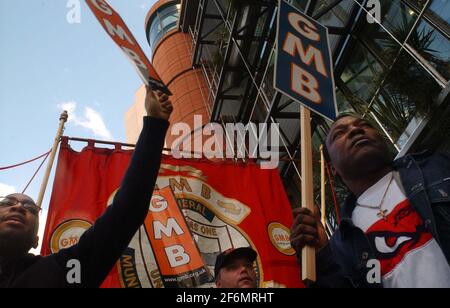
{"x":171,"y":56}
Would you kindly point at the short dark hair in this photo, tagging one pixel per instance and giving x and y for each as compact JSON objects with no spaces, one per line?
{"x":342,"y":115}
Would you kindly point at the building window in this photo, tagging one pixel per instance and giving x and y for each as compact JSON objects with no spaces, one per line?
{"x":435,"y":48}
{"x":163,"y":20}
{"x":391,"y":71}
{"x":442,"y":9}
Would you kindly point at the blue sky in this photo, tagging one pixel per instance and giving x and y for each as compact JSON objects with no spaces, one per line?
{"x":47,"y":63}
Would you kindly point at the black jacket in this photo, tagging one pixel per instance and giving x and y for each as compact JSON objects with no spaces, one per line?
{"x":101,"y":246}
{"x":426,"y":183}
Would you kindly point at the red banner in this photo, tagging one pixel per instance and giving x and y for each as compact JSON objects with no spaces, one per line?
{"x":225,"y":205}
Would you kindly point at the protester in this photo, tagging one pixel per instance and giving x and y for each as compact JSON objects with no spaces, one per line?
{"x":235,"y":269}
{"x":395,"y":227}
{"x":101,"y":246}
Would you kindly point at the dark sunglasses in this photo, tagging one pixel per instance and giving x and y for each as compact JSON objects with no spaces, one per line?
{"x":30,"y":206}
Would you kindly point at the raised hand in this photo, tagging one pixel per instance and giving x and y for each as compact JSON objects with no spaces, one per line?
{"x":157,"y":104}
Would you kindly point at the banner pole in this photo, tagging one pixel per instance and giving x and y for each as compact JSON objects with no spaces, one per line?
{"x":322,"y":186}
{"x":308,"y":253}
{"x":62,"y":121}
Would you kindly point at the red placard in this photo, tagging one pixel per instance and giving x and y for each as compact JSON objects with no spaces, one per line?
{"x":119,"y":32}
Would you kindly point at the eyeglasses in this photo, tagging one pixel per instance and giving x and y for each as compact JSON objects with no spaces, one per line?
{"x":30,"y":206}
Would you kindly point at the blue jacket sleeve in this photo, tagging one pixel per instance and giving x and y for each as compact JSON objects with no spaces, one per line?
{"x":329,"y":272}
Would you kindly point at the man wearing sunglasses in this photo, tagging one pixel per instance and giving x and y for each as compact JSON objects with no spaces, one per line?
{"x":101,"y":246}
{"x":19,"y":223}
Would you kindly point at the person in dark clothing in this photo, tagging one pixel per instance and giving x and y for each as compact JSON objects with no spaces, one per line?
{"x":395,"y":227}
{"x":101,"y":246}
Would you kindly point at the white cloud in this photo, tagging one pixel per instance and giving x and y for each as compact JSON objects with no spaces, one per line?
{"x":6,"y":190}
{"x":70,"y":108}
{"x":144,"y":6}
{"x":94,"y":122}
{"x":91,"y":120}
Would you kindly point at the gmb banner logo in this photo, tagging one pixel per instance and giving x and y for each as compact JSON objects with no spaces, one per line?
{"x":213,"y":220}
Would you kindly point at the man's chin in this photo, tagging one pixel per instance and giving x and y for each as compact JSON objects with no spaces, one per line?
{"x":247,"y":284}
{"x":13,"y":229}
{"x":14,"y":232}
{"x":368,"y":157}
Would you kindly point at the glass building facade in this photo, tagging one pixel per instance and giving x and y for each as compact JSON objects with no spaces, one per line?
{"x":165,"y":19}
{"x":395,"y":71}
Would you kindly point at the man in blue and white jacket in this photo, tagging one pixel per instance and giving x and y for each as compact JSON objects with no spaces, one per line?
{"x":396,"y":221}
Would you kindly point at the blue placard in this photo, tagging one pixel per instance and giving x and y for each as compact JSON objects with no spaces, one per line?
{"x":304,"y":66}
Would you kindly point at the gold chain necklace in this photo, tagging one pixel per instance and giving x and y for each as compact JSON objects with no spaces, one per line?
{"x":381,"y":213}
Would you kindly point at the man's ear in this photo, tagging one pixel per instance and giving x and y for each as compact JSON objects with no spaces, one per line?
{"x":36,"y":242}
{"x":218,"y":283}
{"x":333,"y":171}
{"x":36,"y":231}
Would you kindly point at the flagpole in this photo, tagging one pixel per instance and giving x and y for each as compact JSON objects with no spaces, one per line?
{"x":308,"y":253}
{"x":322,"y":186}
{"x":62,"y":121}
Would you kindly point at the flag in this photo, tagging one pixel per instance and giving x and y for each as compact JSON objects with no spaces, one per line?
{"x":224,"y":204}
{"x":122,"y":36}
